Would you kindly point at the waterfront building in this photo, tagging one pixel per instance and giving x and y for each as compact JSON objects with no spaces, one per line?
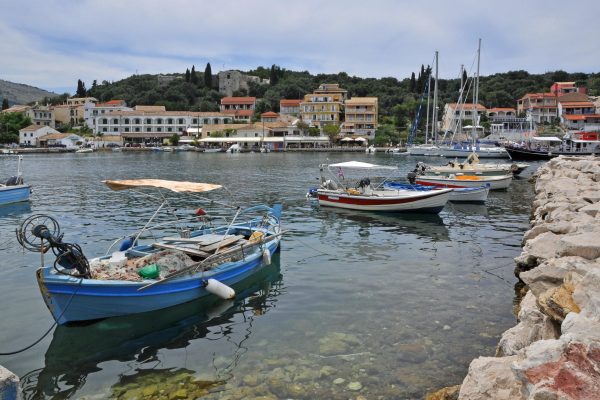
{"x":361,"y":117}
{"x":68,"y":141}
{"x":239,"y":108}
{"x":232,"y":81}
{"x":289,"y":107}
{"x":324,"y":106}
{"x":542,"y":107}
{"x":269,"y":116}
{"x":80,"y":101}
{"x":136,"y":126}
{"x":456,"y":114}
{"x":92,"y":112}
{"x":38,"y":114}
{"x":29,"y":136}
{"x":500,"y":113}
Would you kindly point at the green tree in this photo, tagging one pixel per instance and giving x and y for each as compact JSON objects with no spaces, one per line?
{"x":303,"y":126}
{"x":413,"y":83}
{"x":332,"y":132}
{"x":174,"y":139}
{"x":314,"y":131}
{"x":81,"y":92}
{"x":193,"y":76}
{"x":187,"y":75}
{"x":10,"y":124}
{"x":208,"y":76}
{"x":5,"y":104}
{"x":274,"y":75}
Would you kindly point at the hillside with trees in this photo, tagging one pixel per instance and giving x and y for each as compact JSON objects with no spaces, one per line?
{"x":17,"y":93}
{"x":398,"y":98}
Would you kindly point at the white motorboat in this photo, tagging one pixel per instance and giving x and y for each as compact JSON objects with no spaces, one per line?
{"x":334,"y":192}
{"x":472,"y":166}
{"x":459,"y":180}
{"x":458,"y":195}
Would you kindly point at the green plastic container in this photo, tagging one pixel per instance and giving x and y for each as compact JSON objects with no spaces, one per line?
{"x":149,"y":271}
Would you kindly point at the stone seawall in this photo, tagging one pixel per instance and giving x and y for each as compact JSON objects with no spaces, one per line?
{"x":554,"y":350}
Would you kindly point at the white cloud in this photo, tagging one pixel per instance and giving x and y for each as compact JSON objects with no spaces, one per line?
{"x":54,"y":43}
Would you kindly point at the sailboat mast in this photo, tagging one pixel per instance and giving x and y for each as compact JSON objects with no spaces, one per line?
{"x":428,"y":97}
{"x":476,"y":95}
{"x":435,"y":101}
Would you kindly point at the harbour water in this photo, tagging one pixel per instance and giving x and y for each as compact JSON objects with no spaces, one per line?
{"x":355,"y":304}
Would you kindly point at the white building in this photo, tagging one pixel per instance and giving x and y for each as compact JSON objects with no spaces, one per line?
{"x":92,"y":111}
{"x":30,"y":135}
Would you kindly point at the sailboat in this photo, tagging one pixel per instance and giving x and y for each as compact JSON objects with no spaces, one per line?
{"x":426,"y":149}
{"x":458,"y":150}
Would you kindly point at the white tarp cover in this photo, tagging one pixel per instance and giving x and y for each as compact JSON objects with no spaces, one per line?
{"x":547,"y":139}
{"x":358,"y":164}
{"x":175,"y":186}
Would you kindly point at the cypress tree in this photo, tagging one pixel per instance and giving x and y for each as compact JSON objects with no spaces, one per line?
{"x":413,"y":83}
{"x":208,"y":76}
{"x":193,"y":76}
{"x":187,"y":75}
{"x":81,"y":92}
{"x":464,"y":76}
{"x":5,"y":104}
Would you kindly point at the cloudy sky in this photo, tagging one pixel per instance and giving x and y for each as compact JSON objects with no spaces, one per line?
{"x":52,"y":43}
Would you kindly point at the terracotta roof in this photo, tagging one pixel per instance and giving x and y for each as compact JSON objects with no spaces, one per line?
{"x":573,"y":97}
{"x":534,"y":95}
{"x":465,"y":106}
{"x":290,"y":102}
{"x":17,"y":108}
{"x":239,"y":113}
{"x":114,"y":102}
{"x":269,"y":114}
{"x":580,"y":117}
{"x":501,"y":109}
{"x":32,"y":128}
{"x":577,"y":104}
{"x":238,"y":100}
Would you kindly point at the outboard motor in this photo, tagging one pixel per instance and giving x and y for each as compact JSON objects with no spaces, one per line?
{"x":14,"y":181}
{"x":412,"y":177}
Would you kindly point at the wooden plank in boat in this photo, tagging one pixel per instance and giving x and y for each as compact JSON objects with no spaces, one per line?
{"x":222,"y":243}
{"x":203,"y":240}
{"x":186,"y":249}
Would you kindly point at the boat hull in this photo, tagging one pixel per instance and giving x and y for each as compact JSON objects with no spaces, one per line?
{"x":528,"y":154}
{"x":470,"y":195}
{"x":425,"y":202}
{"x":496,"y":183}
{"x":14,"y":194}
{"x":492,"y":152}
{"x":72,"y":299}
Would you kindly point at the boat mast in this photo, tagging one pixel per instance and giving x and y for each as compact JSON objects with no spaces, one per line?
{"x":476,"y":96}
{"x":428,"y":96}
{"x":435,"y":101}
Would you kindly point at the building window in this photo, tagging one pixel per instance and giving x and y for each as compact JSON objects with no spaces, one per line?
{"x":137,"y":129}
{"x":104,"y":129}
{"x":195,"y":121}
{"x":159,"y":121}
{"x":115,"y":129}
{"x":148,"y":121}
{"x":126,"y":129}
{"x":159,"y":129}
{"x":127,"y":120}
{"x":180,"y":121}
{"x":170,"y":121}
{"x":115,"y":121}
{"x":169,"y":129}
{"x":104,"y":121}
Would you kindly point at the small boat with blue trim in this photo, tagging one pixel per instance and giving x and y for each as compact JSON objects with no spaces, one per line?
{"x":458,"y":195}
{"x":203,"y":260}
{"x":336,"y":191}
{"x":14,"y":190}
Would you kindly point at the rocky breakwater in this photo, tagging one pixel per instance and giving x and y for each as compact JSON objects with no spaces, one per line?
{"x":554,"y":350}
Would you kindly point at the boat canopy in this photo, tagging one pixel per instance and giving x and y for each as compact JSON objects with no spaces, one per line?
{"x":585,"y":141}
{"x":175,"y":186}
{"x":358,"y":164}
{"x":546,"y":139}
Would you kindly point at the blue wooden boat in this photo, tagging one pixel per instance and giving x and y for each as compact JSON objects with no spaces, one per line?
{"x":14,"y":190}
{"x":75,"y":290}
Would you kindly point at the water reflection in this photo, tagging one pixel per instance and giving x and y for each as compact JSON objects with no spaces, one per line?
{"x":15,"y":209}
{"x":78,"y":351}
{"x":423,"y":226}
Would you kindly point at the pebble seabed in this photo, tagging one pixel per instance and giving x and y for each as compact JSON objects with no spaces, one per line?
{"x":554,"y":350}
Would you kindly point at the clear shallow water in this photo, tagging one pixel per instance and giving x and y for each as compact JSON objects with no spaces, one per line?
{"x":397,"y":303}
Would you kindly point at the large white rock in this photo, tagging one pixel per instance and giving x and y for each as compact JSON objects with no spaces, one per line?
{"x":587,"y":293}
{"x":491,"y":378}
{"x":533,"y":326}
{"x":550,"y":273}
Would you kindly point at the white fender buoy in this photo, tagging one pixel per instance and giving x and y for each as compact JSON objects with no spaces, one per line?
{"x":219,"y":289}
{"x":266,"y":257}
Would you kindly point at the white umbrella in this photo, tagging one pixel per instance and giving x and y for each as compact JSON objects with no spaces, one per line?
{"x":347,"y":139}
{"x":360,"y":139}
